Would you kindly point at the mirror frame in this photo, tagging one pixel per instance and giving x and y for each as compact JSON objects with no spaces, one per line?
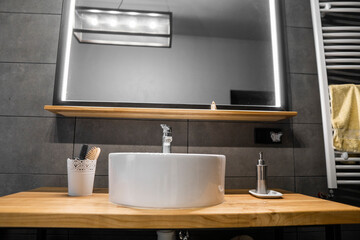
{"x":278,"y":46}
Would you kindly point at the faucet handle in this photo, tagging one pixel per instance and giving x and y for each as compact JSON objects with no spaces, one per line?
{"x":166,"y":128}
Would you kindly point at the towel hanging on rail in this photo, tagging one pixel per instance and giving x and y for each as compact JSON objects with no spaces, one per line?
{"x":345,"y":116}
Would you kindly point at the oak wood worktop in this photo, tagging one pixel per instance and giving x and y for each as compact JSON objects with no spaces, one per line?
{"x":52,"y":207}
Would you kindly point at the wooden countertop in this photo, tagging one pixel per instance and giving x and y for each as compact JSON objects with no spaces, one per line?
{"x":52,"y":207}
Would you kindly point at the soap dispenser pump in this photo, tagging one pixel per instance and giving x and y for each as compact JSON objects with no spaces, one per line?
{"x":261,"y":176}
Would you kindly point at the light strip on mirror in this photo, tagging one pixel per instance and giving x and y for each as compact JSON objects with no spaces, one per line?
{"x":69,"y":32}
{"x":275,"y":52}
{"x":123,"y":27}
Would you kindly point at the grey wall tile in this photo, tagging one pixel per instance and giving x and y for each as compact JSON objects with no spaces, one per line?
{"x":113,"y":135}
{"x":311,"y":185}
{"x":298,"y":13}
{"x":301,"y":50}
{"x":12,"y":183}
{"x":285,"y":183}
{"x":239,"y":161}
{"x":305,"y":98}
{"x":31,"y":6}
{"x":309,"y":150}
{"x":35,"y":145}
{"x":242,"y":161}
{"x":26,"y":88}
{"x":29,"y":37}
{"x":234,"y":134}
{"x":236,"y":141}
{"x":240,"y":182}
{"x":128,"y":132}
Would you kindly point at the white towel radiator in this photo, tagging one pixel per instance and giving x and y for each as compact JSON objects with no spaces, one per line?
{"x":337,"y":42}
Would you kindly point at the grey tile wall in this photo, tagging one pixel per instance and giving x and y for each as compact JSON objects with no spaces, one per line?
{"x":113,"y":135}
{"x":309,"y":158}
{"x":31,"y":6}
{"x":309,"y":150}
{"x":34,"y":143}
{"x":298,"y":13}
{"x":12,"y":183}
{"x":305,"y":98}
{"x":301,"y":50}
{"x":29,"y":37}
{"x":25,"y":88}
{"x":311,"y":185}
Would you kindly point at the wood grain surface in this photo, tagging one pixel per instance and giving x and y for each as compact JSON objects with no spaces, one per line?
{"x":169,"y":113}
{"x":53,"y":208}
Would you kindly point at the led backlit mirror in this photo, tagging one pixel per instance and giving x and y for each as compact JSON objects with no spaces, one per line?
{"x":227,"y":51}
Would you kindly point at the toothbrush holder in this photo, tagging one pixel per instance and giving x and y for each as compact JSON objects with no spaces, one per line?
{"x":81,"y":174}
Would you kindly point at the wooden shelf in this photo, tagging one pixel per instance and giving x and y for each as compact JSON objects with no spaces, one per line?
{"x":169,"y":113}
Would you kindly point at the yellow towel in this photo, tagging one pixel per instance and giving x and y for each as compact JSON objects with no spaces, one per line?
{"x":345,"y":117}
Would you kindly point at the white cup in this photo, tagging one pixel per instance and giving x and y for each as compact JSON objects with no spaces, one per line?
{"x":81,"y":174}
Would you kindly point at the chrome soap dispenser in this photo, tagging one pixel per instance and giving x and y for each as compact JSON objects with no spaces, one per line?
{"x":262,"y":190}
{"x":261,"y":176}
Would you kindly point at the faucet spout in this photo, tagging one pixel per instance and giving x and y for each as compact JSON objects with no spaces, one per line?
{"x":166,"y":138}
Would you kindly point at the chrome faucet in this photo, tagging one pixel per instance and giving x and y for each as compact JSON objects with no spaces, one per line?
{"x":167,"y":138}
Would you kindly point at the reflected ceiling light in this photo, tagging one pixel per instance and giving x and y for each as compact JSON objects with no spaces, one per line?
{"x":123,"y":27}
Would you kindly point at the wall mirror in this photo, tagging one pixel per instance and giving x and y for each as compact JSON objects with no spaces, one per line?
{"x":227,"y":51}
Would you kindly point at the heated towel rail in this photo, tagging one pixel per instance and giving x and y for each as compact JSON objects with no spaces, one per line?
{"x":336,"y":28}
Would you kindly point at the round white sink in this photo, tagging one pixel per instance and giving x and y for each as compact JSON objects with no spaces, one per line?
{"x":166,"y":180}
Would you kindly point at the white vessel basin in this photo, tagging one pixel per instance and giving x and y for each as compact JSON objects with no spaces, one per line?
{"x":166,"y":180}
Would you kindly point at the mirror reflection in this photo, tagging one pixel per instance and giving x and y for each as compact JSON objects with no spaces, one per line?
{"x":225,"y":51}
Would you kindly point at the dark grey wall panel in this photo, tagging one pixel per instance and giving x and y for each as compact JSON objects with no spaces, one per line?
{"x":11,"y":183}
{"x":301,"y":50}
{"x":240,"y":182}
{"x":286,"y":183}
{"x":305,"y":98}
{"x":298,"y":13}
{"x":239,"y":161}
{"x":233,"y":134}
{"x":311,"y":185}
{"x":113,"y":135}
{"x":128,"y":132}
{"x":309,"y":150}
{"x":236,"y":141}
{"x":35,"y":145}
{"x":31,"y":6}
{"x":26,"y":88}
{"x":242,"y":161}
{"x":29,"y":37}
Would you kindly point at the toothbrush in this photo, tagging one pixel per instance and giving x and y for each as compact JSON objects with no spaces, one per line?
{"x":83,"y":151}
